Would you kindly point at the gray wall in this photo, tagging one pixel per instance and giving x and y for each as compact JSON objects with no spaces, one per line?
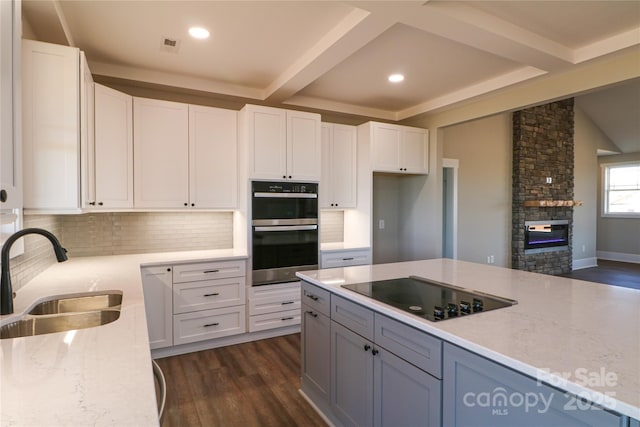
{"x":483,"y":148}
{"x":618,"y":238}
{"x":587,"y":139}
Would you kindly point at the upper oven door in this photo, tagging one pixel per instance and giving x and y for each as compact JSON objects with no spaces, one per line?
{"x":284,"y":201}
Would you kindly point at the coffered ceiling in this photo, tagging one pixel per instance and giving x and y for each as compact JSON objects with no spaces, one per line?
{"x":336,"y":55}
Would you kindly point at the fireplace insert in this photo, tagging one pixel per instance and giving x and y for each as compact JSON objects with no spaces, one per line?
{"x":546,"y":236}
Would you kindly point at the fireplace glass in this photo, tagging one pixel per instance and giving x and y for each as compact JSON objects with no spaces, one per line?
{"x":546,"y":236}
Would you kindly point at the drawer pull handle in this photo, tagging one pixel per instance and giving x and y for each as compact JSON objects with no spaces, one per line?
{"x":287,"y":318}
{"x":211,"y":295}
{"x":288,"y":302}
{"x":348,"y":259}
{"x":211,"y":271}
{"x":211,"y":324}
{"x":313,"y":297}
{"x":374,"y":352}
{"x":367,"y":347}
{"x":311,"y":313}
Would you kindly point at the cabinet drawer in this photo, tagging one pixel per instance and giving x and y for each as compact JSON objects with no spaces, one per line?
{"x":345,"y":258}
{"x":412,"y":345}
{"x":353,"y":316}
{"x":208,"y":324}
{"x":208,"y":270}
{"x":208,"y":294}
{"x":283,"y":301}
{"x":262,"y":322}
{"x":269,"y":291}
{"x":316,"y":298}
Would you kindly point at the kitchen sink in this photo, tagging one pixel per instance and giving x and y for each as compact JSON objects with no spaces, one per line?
{"x":46,"y":324}
{"x":82,"y":302}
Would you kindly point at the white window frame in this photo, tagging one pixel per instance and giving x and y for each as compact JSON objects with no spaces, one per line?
{"x":605,"y":191}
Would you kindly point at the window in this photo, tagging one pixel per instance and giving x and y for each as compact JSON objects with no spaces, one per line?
{"x":622,"y":189}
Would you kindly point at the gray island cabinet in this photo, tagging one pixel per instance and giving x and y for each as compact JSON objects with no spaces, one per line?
{"x":362,"y":368}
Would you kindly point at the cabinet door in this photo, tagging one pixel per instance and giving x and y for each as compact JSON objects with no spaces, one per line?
{"x":10,"y":69}
{"x":351,"y":377}
{"x":405,"y":396}
{"x":113,"y":148}
{"x":479,"y":392}
{"x":325,"y":196}
{"x":415,"y":152}
{"x":213,"y":157}
{"x":51,"y":128}
{"x":158,"y":305}
{"x":316,"y":353}
{"x":303,"y":146}
{"x":267,"y":138}
{"x":161,"y":153}
{"x":343,"y":161}
{"x":87,"y":133}
{"x":385,"y":148}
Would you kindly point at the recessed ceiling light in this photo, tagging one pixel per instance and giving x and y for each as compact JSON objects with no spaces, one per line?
{"x":198,"y":33}
{"x":396,"y":78}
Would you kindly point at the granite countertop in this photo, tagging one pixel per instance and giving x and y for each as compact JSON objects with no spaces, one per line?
{"x":580,"y":336}
{"x":98,"y":376}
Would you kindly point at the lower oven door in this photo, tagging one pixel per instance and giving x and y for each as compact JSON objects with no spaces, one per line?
{"x":281,"y":250}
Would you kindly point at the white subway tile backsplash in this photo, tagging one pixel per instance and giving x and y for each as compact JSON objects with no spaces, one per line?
{"x":331,"y":226}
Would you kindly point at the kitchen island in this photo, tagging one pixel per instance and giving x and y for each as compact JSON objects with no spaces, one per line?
{"x":580,"y":338}
{"x":98,"y":376}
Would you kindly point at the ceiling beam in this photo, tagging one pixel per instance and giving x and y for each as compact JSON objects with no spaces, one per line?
{"x":352,"y":33}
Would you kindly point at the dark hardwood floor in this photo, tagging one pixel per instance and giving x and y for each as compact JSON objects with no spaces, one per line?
{"x":251,"y":384}
{"x":615,"y":273}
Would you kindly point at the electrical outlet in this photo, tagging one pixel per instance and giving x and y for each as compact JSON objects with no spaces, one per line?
{"x":381,"y":224}
{"x":549,"y":180}
{"x":584,"y":248}
{"x":493,"y":261}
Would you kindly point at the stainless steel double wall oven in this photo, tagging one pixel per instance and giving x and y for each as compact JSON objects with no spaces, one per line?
{"x":284,"y":230}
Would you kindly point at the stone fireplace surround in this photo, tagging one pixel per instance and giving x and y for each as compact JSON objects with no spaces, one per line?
{"x":543,"y":148}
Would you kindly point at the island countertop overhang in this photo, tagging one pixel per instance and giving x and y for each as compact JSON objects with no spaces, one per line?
{"x":562,"y":331}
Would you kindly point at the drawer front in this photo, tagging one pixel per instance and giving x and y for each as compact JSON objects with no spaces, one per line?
{"x":208,"y":324}
{"x":285,"y":301}
{"x":353,"y":316}
{"x":316,"y":298}
{"x":208,"y":270}
{"x":263,"y":322}
{"x":269,"y":291}
{"x":412,"y":345}
{"x":345,"y":258}
{"x":208,"y":294}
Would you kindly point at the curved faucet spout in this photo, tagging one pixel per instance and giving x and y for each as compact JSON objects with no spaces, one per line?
{"x":6,"y":291}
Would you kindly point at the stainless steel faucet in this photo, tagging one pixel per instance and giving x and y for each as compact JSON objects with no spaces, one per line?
{"x":6,"y":291}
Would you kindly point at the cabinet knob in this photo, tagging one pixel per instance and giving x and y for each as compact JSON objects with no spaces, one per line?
{"x":193,"y":204}
{"x":374,"y":352}
{"x":284,"y":176}
{"x":3,"y":195}
{"x":289,"y":176}
{"x":100,"y":203}
{"x":168,"y":269}
{"x":367,"y":347}
{"x":186,"y":204}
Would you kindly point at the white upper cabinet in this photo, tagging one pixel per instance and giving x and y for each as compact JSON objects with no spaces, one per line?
{"x":161,"y":154}
{"x":399,"y":149}
{"x":113,"y":154}
{"x":282,"y":144}
{"x":213,"y":157}
{"x":52,"y":99}
{"x":338,"y":180}
{"x":87,"y":134}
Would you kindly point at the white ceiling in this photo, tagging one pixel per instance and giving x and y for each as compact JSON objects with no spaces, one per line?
{"x":336,"y":55}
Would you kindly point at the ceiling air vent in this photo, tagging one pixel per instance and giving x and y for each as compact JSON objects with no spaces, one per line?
{"x":169,"y":44}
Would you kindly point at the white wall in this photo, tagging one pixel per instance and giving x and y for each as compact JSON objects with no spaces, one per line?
{"x":483,"y":148}
{"x":587,"y":139}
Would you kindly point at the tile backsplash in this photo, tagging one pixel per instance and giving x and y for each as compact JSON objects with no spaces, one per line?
{"x":97,"y":234}
{"x":332,"y":226}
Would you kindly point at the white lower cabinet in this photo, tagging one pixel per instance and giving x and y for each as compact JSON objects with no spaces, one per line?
{"x":193,"y":302}
{"x":158,"y":297}
{"x":274,"y":306}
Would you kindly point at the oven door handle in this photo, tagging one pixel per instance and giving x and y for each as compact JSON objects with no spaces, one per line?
{"x":287,"y":228}
{"x":286,"y":195}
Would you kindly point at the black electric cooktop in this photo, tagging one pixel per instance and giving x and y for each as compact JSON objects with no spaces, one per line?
{"x":429,"y":299}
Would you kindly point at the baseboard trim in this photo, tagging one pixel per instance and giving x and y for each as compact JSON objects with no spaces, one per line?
{"x":579,"y":264}
{"x":619,"y":256}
